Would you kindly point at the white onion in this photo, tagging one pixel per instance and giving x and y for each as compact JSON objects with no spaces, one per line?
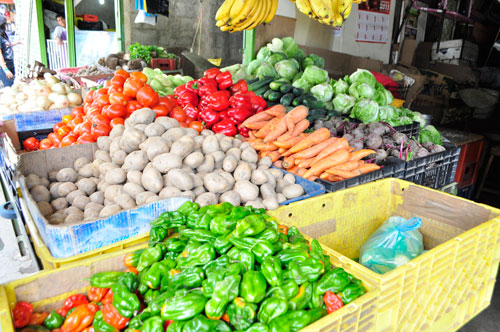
{"x":58,"y":88}
{"x":43,"y":102}
{"x":51,"y":79}
{"x":74,"y":98}
{"x":43,"y":91}
{"x":21,"y":97}
{"x":53,"y":96}
{"x":62,"y":101}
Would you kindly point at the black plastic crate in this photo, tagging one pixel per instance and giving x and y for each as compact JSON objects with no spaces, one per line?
{"x":435,"y":170}
{"x":394,"y":168}
{"x":466,"y":192}
{"x":410,"y":130}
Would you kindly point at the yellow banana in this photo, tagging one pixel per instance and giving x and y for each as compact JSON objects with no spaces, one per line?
{"x":304,"y":7}
{"x":259,"y":15}
{"x":343,"y":4}
{"x":272,"y":11}
{"x":319,"y":8}
{"x":347,"y":12}
{"x":248,"y":19}
{"x":224,"y":10}
{"x":236,"y":8}
{"x":336,"y":14}
{"x":242,"y":15}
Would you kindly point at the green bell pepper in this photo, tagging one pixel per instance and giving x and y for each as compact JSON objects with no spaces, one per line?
{"x":129,"y":280}
{"x":253,"y":286}
{"x":150,"y":295}
{"x":296,"y":255}
{"x":258,"y":327}
{"x":299,"y":301}
{"x":271,"y":270}
{"x":239,"y":212}
{"x":224,"y":292}
{"x":200,"y":235}
{"x":222,"y":244}
{"x":243,"y":242}
{"x":153,"y":276}
{"x":317,"y":252}
{"x":262,"y":249}
{"x":148,"y":257}
{"x":351,"y":292}
{"x":294,"y":235}
{"x":222,"y":224}
{"x":220,"y":262}
{"x":170,"y":220}
{"x":105,"y":279}
{"x":208,"y":285}
{"x":308,"y":270}
{"x":152,"y":324}
{"x":287,"y":290}
{"x":53,"y":320}
{"x":190,"y":277}
{"x":124,"y":301}
{"x":201,"y":323}
{"x":334,"y":280}
{"x":354,"y":280}
{"x":316,"y":297}
{"x":233,"y":254}
{"x":100,"y":325}
{"x":297,"y":246}
{"x":270,"y":308}
{"x":157,"y":234}
{"x":182,"y":307}
{"x":154,"y":306}
{"x":269,"y":234}
{"x":241,"y":314}
{"x":249,"y":226}
{"x":171,"y":255}
{"x":175,"y":244}
{"x":188,"y":207}
{"x":136,"y":322}
{"x":247,"y":258}
{"x":177,"y":326}
{"x":199,"y":256}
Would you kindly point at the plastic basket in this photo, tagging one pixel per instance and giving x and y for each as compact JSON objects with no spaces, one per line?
{"x":164,"y":64}
{"x":48,"y":290}
{"x":410,"y":130}
{"x":435,"y":170}
{"x":395,"y":168}
{"x":311,"y":188}
{"x":39,"y":120}
{"x":438,"y":291}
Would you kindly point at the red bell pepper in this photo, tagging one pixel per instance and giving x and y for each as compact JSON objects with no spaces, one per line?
{"x":240,"y":100}
{"x":226,"y":127}
{"x":211,"y":73}
{"x":239,"y":114}
{"x":332,"y":301}
{"x":224,"y":114}
{"x":22,"y":314}
{"x":207,"y":89}
{"x":75,"y":300}
{"x":258,"y":103}
{"x":210,"y":117}
{"x":218,"y":101}
{"x":180,"y":90}
{"x":203,"y":105}
{"x":191,"y":111}
{"x":240,"y":86}
{"x":206,"y":81}
{"x":243,"y":131}
{"x":192,"y":86}
{"x":187,"y":98}
{"x":224,"y":80}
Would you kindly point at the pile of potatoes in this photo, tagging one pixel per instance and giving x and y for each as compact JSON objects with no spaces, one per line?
{"x":150,"y":159}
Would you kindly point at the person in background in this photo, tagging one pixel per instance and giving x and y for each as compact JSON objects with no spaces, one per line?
{"x":60,"y":30}
{"x":6,"y":55}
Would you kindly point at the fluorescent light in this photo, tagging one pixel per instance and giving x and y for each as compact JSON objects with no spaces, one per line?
{"x":101,"y":2}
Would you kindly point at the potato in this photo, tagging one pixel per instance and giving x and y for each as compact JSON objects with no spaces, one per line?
{"x":102,"y":155}
{"x":168,"y":192}
{"x":226,"y":143}
{"x":131,"y":140}
{"x":265,"y":163}
{"x":173,"y":134}
{"x":259,"y":177}
{"x":293,"y":191}
{"x":81,"y":201}
{"x":59,"y":203}
{"x":53,"y":176}
{"x":95,"y":180}
{"x":194,"y":159}
{"x":271,"y":203}
{"x":40,"y":193}
{"x":74,"y":194}
{"x":242,"y":172}
{"x":151,"y":180}
{"x":206,"y":199}
{"x":210,"y":144}
{"x":54,"y":189}
{"x":235,"y":152}
{"x":183,"y":146}
{"x":134,"y":177}
{"x":236,"y":143}
{"x":249,"y":155}
{"x":133,"y":189}
{"x":180,"y":179}
{"x":220,"y":136}
{"x":104,"y":142}
{"x":188,"y":194}
{"x":215,"y":183}
{"x":67,"y":175}
{"x":44,"y":182}
{"x":142,"y":116}
{"x":140,"y":127}
{"x":197,"y":191}
{"x":207,"y":165}
{"x":257,"y":204}
{"x":167,"y":122}
{"x":230,"y":196}
{"x":244,"y":146}
{"x":107,"y":202}
{"x":56,"y":218}
{"x":65,"y":188}
{"x":197,"y":180}
{"x":142,"y":197}
{"x":71,"y":210}
{"x":92,"y":210}
{"x":218,"y":156}
{"x":102,"y":185}
{"x":152,"y":199}
{"x":87,"y":170}
{"x":74,"y":218}
{"x":167,"y":161}
{"x":87,"y":185}
{"x":247,"y":190}
{"x":97,"y":197}
{"x":290,"y":178}
{"x":136,"y":161}
{"x":154,"y":146}
{"x":118,"y":157}
{"x":115,"y":145}
{"x":109,"y":210}
{"x":125,"y":201}
{"x":112,"y":191}
{"x":154,"y":129}
{"x":32,"y":180}
{"x":45,"y":208}
{"x":117,"y":131}
{"x":206,"y":132}
{"x":280,"y":184}
{"x":266,"y":191}
{"x":116,"y":176}
{"x":278,"y":174}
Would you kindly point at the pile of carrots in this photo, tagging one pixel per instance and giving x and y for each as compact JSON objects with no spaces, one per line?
{"x":280,"y":135}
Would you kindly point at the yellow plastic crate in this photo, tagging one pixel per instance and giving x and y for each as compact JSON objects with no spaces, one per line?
{"x":441,"y":289}
{"x":47,"y":291}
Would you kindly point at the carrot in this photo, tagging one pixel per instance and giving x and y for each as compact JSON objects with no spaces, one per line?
{"x":351,"y":149}
{"x":337,"y":158}
{"x":293,"y":170}
{"x":288,"y":143}
{"x":289,"y":162}
{"x":341,"y":143}
{"x":251,"y":135}
{"x":262,"y":116}
{"x":301,"y":171}
{"x":315,"y":149}
{"x":344,"y":174}
{"x":264,"y":146}
{"x":282,"y":150}
{"x":335,"y":178}
{"x":256,"y":125}
{"x":315,"y":137}
{"x":297,"y":114}
{"x":285,"y":137}
{"x":348,"y":166}
{"x":324,"y":176}
{"x":360,"y":154}
{"x":267,"y":128}
{"x":274,"y":156}
{"x":290,"y":124}
{"x":277,"y":110}
{"x":297,"y":161}
{"x":368,"y":167}
{"x":306,"y":163}
{"x":312,"y":178}
{"x":278,"y":163}
{"x":300,"y":127}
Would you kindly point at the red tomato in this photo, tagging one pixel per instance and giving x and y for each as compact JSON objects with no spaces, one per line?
{"x":117,"y":80}
{"x":160,"y":110}
{"x":102,"y":100}
{"x":107,"y":84}
{"x":114,"y":89}
{"x":98,"y":119}
{"x":99,"y":130}
{"x":100,"y":92}
{"x":31,"y":144}
{"x":178,"y":113}
{"x":116,"y":121}
{"x":68,"y":140}
{"x":45,"y":144}
{"x":67,"y":118}
{"x":139,"y":75}
{"x":63,"y":131}
{"x":77,"y":111}
{"x":95,"y":104}
{"x":84,"y":127}
{"x":123,"y":73}
{"x":133,"y":106}
{"x":89,"y":98}
{"x":132,"y":86}
{"x":116,"y":111}
{"x":93,"y":112}
{"x":168,"y":103}
{"x":118,"y":98}
{"x":75,"y":121}
{"x":196,"y":125}
{"x":85,"y":138}
{"x":55,"y":138}
{"x":57,"y":126}
{"x":146,"y":96}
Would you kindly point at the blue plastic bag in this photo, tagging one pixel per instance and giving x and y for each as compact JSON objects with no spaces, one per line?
{"x":395,"y":243}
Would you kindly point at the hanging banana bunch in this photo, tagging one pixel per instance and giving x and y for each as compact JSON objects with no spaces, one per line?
{"x":238,"y":15}
{"x":330,"y":12}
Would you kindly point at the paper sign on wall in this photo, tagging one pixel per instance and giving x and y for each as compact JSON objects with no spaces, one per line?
{"x":373,"y":21}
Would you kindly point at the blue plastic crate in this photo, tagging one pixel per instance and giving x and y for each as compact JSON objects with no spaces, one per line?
{"x":311,"y":188}
{"x":37,"y":120}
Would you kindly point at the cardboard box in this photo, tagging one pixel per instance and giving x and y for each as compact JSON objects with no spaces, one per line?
{"x":408,"y":52}
{"x":279,"y":27}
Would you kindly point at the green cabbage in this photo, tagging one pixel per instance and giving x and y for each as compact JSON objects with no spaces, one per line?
{"x":340,"y":87}
{"x":322,"y":92}
{"x":343,"y":103}
{"x":313,"y":60}
{"x":383,"y":97}
{"x":276,"y":45}
{"x":290,"y":47}
{"x":275,"y":58}
{"x":302,"y":83}
{"x":365,"y":110}
{"x":300,"y":55}
{"x":253,"y":66}
{"x":361,"y":91}
{"x":363,"y":76}
{"x":315,"y":75}
{"x":287,"y":68}
{"x":266,"y":69}
{"x":298,"y":76}
{"x":430,"y":134}
{"x":418,"y":117}
{"x":263,"y":53}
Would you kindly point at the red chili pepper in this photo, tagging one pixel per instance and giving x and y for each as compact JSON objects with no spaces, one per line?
{"x":62,"y":311}
{"x":206,"y":81}
{"x":96,"y":294}
{"x":187,"y":98}
{"x":243,"y":131}
{"x":75,"y":300}
{"x":224,"y":80}
{"x":22,"y":314}
{"x":332,"y":301}
{"x":111,"y":316}
{"x":167,"y":324}
{"x":210,"y":117}
{"x":240,"y":86}
{"x":207,"y":89}
{"x":226,"y":127}
{"x":192,"y":86}
{"x":258,"y":103}
{"x":240,"y":100}
{"x":211,"y":73}
{"x":218,"y":101}
{"x":37,"y":318}
{"x":191,"y":111}
{"x":239,"y":115}
{"x":80,"y":318}
{"x":108,"y":298}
